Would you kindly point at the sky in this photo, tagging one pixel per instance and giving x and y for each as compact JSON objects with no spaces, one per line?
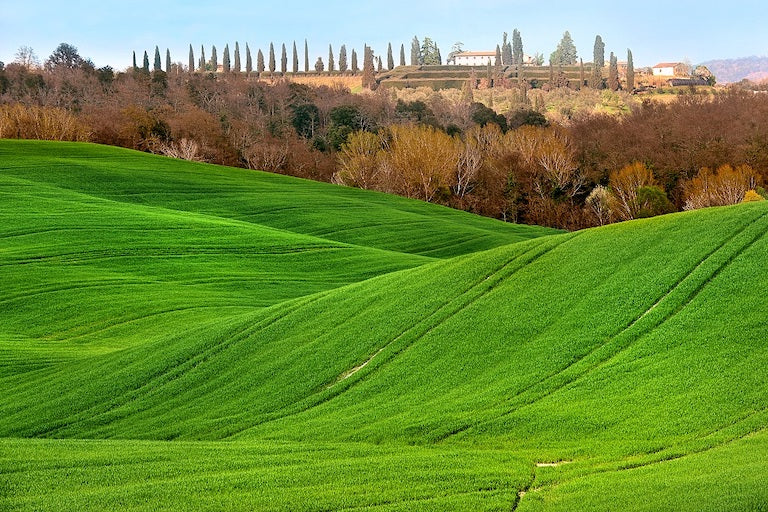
{"x":108,"y":32}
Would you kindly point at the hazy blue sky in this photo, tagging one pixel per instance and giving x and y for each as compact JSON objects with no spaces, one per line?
{"x":108,"y":31}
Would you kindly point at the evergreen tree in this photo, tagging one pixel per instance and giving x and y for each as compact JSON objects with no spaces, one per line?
{"x":599,"y":52}
{"x":402,"y":55}
{"x":214,"y":60}
{"x":272,"y":65}
{"x":390,"y":57}
{"x":319,"y":67}
{"x":517,"y":47}
{"x":331,"y":62}
{"x":430,"y":53}
{"x":497,"y":61}
{"x":295,"y":59}
{"x":439,"y":57}
{"x":379,"y":65}
{"x":415,"y":52}
{"x":369,"y":79}
{"x":191,"y":62}
{"x":506,"y":51}
{"x":565,"y":54}
{"x":237,"y":68}
{"x":306,"y":57}
{"x":135,"y":67}
{"x":283,"y":60}
{"x":226,"y":66}
{"x":260,"y":61}
{"x":466,"y":92}
{"x":355,"y":67}
{"x":146,"y":62}
{"x":598,"y":60}
{"x":630,"y":71}
{"x":157,"y":66}
{"x":202,"y":58}
{"x":581,"y":73}
{"x":167,"y":60}
{"x":248,"y":60}
{"x":343,"y":67}
{"x":613,"y":73}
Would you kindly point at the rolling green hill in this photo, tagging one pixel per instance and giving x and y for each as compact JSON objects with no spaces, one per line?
{"x":162,"y":348}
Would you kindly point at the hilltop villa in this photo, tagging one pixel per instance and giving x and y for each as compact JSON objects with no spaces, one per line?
{"x":670,"y":69}
{"x":479,"y":59}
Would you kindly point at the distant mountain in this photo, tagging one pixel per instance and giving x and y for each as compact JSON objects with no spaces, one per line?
{"x":734,"y":70}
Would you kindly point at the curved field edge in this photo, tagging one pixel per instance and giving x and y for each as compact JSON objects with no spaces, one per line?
{"x":322,"y":210}
{"x":268,"y":476}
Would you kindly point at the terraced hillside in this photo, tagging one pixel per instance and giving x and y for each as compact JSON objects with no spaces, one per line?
{"x":166,"y":349}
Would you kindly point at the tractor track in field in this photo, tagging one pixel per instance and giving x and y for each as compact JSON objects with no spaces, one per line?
{"x":352,"y":377}
{"x":562,"y":380}
{"x":170,"y":374}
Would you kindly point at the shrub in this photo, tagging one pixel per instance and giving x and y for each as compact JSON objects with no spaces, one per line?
{"x":42,"y":123}
{"x":752,"y":195}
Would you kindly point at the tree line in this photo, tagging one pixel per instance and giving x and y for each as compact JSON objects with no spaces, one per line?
{"x":518,"y":165}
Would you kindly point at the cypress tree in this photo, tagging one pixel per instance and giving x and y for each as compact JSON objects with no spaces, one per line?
{"x":379,"y":65}
{"x":402,"y":55}
{"x":295,"y":59}
{"x":237,"y":57}
{"x":202,"y":58}
{"x":599,"y":52}
{"x":415,"y":52}
{"x":283,"y":60}
{"x":517,"y":47}
{"x":581,"y":73}
{"x":343,"y":67}
{"x":497,"y":61}
{"x":272,"y":65}
{"x":369,"y":79}
{"x":598,"y":60}
{"x":306,"y":57}
{"x":260,"y":62}
{"x":248,"y":60}
{"x":226,"y":67}
{"x":506,"y":51}
{"x":439,"y":57}
{"x":167,"y":60}
{"x":390,"y":57}
{"x":319,"y":67}
{"x":157,"y":66}
{"x":214,"y":60}
{"x":146,"y":62}
{"x":630,"y":71}
{"x":191,"y":62}
{"x":613,"y":73}
{"x":135,"y":67}
{"x":355,"y":67}
{"x":331,"y":63}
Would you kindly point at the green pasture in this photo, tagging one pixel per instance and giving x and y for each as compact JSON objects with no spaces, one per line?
{"x":185,"y":336}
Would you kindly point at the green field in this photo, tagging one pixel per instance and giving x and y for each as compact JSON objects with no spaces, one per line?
{"x":190,"y":337}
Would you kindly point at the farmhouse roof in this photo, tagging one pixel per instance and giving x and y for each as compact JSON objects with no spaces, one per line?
{"x":667,"y":64}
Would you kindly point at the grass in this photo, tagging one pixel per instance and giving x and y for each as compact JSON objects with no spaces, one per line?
{"x":166,"y":345}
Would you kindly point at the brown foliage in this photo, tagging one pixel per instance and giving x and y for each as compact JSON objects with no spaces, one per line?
{"x":727,"y":185}
{"x":43,"y":123}
{"x":624,"y":185}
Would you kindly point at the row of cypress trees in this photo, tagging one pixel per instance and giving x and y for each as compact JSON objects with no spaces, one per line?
{"x":232,"y":63}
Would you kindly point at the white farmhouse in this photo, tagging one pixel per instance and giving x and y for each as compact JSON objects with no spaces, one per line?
{"x":479,"y":59}
{"x":670,"y":69}
{"x":473,"y":58}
